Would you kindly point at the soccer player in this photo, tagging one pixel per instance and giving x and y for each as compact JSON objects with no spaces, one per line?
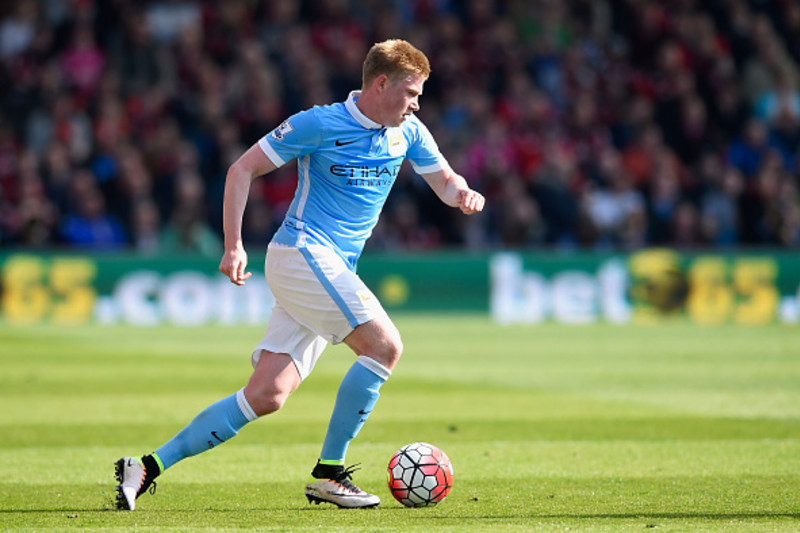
{"x":348,"y":154}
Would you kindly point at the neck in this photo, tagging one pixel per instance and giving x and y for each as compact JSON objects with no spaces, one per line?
{"x":366,"y":104}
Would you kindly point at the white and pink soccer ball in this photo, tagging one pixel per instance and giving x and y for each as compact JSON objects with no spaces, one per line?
{"x":420,"y":475}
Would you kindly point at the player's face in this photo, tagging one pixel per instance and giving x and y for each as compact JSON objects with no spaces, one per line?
{"x":400,"y":99}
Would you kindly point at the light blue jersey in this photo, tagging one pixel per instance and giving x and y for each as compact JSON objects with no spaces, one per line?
{"x":346,"y":167}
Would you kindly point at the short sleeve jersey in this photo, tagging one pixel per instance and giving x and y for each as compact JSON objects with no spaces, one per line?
{"x":346,"y":166}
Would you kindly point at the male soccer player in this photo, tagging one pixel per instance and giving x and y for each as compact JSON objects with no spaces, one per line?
{"x":348,"y":156}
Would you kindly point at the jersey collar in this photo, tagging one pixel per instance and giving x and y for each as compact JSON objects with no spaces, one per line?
{"x":360,"y":117}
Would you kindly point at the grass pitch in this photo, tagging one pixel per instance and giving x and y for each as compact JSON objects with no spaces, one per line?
{"x":550,"y":428}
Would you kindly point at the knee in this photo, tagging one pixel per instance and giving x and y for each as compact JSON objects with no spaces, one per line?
{"x":396,"y":349}
{"x":379,"y":340}
{"x":265,"y":402}
{"x":274,"y":379}
{"x":390,"y":351}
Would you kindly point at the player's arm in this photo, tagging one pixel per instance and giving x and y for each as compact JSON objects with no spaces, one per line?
{"x":250,"y":165}
{"x":452,"y":189}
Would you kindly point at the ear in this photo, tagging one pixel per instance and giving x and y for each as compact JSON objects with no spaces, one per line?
{"x":381,"y":82}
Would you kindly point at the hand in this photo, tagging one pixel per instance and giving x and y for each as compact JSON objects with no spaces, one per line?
{"x":470,"y":201}
{"x":233,"y":265}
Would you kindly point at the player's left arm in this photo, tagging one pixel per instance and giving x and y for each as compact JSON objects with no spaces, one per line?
{"x":452,"y":189}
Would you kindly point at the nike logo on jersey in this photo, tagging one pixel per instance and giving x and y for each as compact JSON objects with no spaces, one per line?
{"x":340,"y":143}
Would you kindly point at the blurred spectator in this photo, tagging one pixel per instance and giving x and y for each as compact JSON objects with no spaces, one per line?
{"x":728,"y":109}
{"x":259,"y":221}
{"x":788,"y":206}
{"x":33,"y":217}
{"x":748,"y":151}
{"x":518,"y":216}
{"x":640,"y":156}
{"x":146,"y":227}
{"x":719,"y":210}
{"x":89,"y":225}
{"x":781,"y":99}
{"x":664,"y":197}
{"x":614,"y":208}
{"x":790,"y":229}
{"x":168,"y":19}
{"x":555,"y":189}
{"x":129,"y":184}
{"x":693,"y":135}
{"x":17,"y":31}
{"x":83,"y":62}
{"x":62,"y":120}
{"x":769,"y":57}
{"x":685,"y":227}
{"x":187,"y":229}
{"x":140,"y":60}
{"x":404,"y":230}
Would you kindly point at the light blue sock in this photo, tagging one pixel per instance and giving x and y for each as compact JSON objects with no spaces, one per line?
{"x":213,"y":426}
{"x":354,"y":401}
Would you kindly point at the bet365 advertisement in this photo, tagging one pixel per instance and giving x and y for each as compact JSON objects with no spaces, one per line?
{"x":646,"y":286}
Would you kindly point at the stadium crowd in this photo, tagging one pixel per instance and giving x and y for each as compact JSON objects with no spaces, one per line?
{"x":610,"y":124}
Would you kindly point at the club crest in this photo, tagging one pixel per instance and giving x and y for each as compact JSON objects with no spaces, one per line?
{"x":396,"y":143}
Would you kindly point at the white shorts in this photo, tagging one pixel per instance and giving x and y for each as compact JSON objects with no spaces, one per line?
{"x":317,"y":300}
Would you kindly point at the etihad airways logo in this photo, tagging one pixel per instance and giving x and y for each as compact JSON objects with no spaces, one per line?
{"x":358,"y":171}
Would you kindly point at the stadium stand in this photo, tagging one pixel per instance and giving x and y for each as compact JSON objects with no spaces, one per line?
{"x":588,"y":124}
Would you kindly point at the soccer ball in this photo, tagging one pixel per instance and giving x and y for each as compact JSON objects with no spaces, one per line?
{"x":420,"y":474}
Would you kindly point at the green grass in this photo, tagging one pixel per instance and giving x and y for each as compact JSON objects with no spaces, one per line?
{"x":550,"y":428}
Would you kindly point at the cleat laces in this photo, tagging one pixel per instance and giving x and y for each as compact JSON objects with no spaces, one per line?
{"x":151,"y":489}
{"x":345,"y":478}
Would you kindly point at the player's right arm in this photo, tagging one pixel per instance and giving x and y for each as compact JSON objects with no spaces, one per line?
{"x":253,"y":163}
{"x":300,"y":134}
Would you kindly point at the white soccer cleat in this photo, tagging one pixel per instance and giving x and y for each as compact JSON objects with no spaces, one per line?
{"x":130,"y":473}
{"x":337,"y":488}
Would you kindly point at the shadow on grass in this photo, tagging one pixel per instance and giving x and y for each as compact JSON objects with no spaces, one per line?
{"x":418,"y":513}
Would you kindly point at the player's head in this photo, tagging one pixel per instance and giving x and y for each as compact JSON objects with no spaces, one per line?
{"x":395,"y":58}
{"x":393,"y":74}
